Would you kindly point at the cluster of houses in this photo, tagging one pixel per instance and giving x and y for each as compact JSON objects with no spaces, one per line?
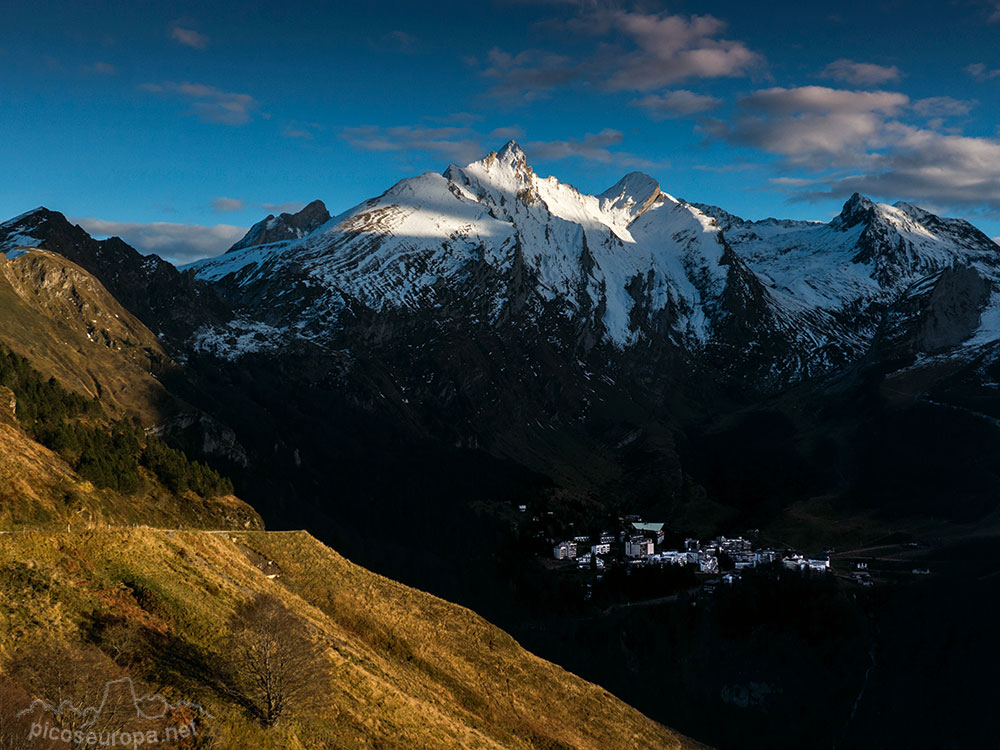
{"x":641,"y":543}
{"x":815,"y":563}
{"x":595,"y":553}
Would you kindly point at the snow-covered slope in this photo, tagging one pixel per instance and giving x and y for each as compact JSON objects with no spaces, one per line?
{"x":631,"y":265}
{"x":630,"y":261}
{"x":862,"y":261}
{"x":16,"y":235}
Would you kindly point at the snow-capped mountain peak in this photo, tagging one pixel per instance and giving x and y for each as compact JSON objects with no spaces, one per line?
{"x":25,"y":230}
{"x":511,"y":154}
{"x":39,"y":210}
{"x":631,"y":264}
{"x":632,"y":194}
{"x":856,"y":210}
{"x":425,"y":237}
{"x":498,"y":177}
{"x":915,"y":212}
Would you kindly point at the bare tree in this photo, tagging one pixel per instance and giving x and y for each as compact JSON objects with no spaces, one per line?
{"x":124,"y":642}
{"x":277,"y":667}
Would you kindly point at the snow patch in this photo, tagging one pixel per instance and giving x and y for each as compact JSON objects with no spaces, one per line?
{"x":16,"y":245}
{"x":989,"y":323}
{"x":238,"y":338}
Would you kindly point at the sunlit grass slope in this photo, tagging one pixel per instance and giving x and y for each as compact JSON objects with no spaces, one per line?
{"x":400,"y":668}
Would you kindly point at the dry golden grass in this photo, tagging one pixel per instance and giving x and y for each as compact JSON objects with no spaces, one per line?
{"x":71,"y":328}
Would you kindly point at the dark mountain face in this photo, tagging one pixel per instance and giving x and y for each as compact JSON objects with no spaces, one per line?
{"x":492,"y":309}
{"x":935,"y":314}
{"x":857,"y":210}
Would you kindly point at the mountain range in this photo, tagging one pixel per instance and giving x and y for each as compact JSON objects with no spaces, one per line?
{"x":585,"y":338}
{"x":123,"y":562}
{"x":630,"y":267}
{"x":592,"y":340}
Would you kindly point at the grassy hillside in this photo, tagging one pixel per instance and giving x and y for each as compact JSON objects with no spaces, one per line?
{"x":95,"y":589}
{"x":39,"y":489}
{"x":62,"y":319}
{"x":63,"y":460}
{"x":392,"y":667}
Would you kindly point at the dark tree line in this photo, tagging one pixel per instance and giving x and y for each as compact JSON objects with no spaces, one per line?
{"x":41,"y":402}
{"x":180,"y":474}
{"x":108,"y":453}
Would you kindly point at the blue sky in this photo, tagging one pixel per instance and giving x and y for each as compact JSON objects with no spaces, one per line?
{"x":177,"y":125}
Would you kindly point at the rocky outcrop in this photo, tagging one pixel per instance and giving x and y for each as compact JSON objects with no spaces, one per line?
{"x":935,"y":314}
{"x":284,"y":227}
{"x":8,"y":405}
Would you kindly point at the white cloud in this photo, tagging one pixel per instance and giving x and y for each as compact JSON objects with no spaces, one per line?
{"x":631,"y":51}
{"x":943,"y":106}
{"x":505,"y":134}
{"x":463,"y":145}
{"x":291,"y":207}
{"x":680,"y":102}
{"x":178,"y":243}
{"x":791,"y":181}
{"x":822,"y":100}
{"x":592,"y":147}
{"x":923,"y":164}
{"x":980,"y":72}
{"x":847,"y":141}
{"x":463,"y":119}
{"x":736,"y":166}
{"x":291,"y":131}
{"x":307,"y":131}
{"x":188,"y":37}
{"x":528,"y":75}
{"x":859,"y":73}
{"x":228,"y":205}
{"x":209,"y":103}
{"x":458,"y":144}
{"x":101,"y":68}
{"x":813,"y":126}
{"x":671,"y":48}
{"x":397,"y":41}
